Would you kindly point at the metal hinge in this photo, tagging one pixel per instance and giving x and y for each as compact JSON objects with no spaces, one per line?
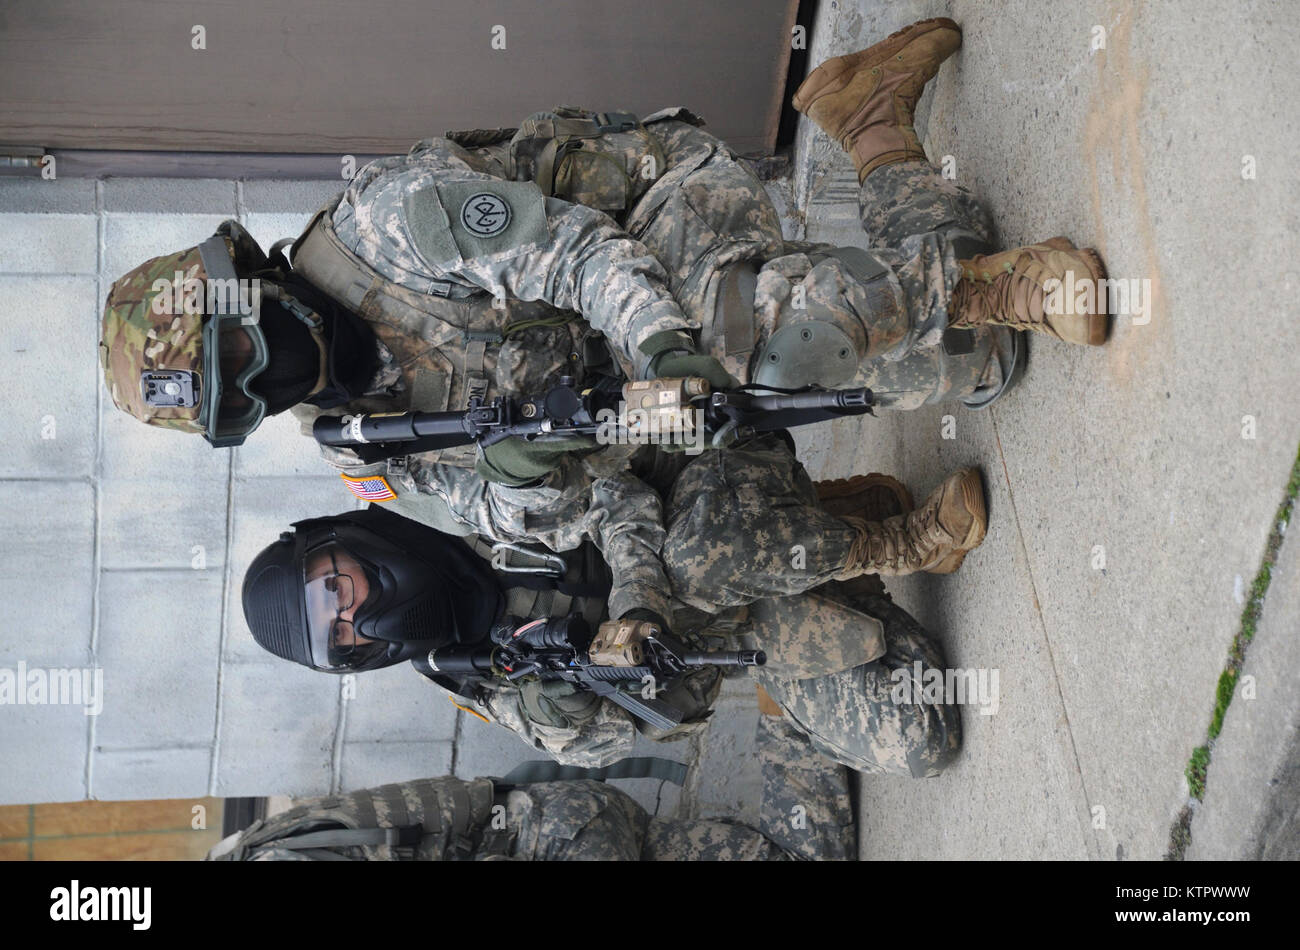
{"x":21,"y":158}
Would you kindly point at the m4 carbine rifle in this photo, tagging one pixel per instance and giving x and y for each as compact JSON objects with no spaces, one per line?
{"x":563,"y":648}
{"x":611,"y":410}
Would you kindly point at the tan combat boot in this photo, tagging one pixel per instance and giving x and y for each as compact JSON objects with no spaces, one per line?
{"x":865,"y":100}
{"x":1011,"y":290}
{"x":934,"y":537}
{"x":874,"y":497}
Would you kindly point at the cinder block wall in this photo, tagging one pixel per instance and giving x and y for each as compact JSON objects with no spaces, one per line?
{"x":123,"y":547}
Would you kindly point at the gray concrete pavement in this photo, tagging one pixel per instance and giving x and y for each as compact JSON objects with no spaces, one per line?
{"x":1107,"y":674}
{"x":1252,"y":789}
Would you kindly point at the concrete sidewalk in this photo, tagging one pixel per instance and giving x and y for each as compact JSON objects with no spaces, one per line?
{"x":1140,"y":450}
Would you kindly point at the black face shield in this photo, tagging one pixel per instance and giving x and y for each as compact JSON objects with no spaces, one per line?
{"x":367,"y":589}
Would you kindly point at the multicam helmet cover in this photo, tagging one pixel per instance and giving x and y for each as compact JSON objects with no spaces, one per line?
{"x":145,"y":329}
{"x":159,"y":324}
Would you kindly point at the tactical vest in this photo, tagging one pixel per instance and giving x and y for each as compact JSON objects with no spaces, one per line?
{"x":538,"y":583}
{"x":448,"y":349}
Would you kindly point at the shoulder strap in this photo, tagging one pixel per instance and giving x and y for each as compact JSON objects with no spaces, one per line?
{"x":348,"y":837}
{"x":546,"y":770}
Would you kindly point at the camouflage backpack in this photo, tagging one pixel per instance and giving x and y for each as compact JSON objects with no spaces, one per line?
{"x":604,"y":160}
{"x":539,"y":811}
{"x":427,"y":820}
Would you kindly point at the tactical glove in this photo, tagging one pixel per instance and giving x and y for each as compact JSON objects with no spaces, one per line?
{"x":557,"y":704}
{"x":516,"y":462}
{"x":672,"y":353}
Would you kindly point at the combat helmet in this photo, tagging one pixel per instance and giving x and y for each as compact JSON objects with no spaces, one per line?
{"x":181,"y":338}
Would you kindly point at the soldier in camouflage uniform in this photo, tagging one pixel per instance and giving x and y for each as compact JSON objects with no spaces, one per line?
{"x":804,"y":813}
{"x":842,"y":660}
{"x":441,"y":227}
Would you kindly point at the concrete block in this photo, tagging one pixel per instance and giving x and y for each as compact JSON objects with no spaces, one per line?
{"x":267,"y":228}
{"x":366,"y":764}
{"x":130,"y":238}
{"x":45,"y":754}
{"x":48,"y":427}
{"x":265,"y":507}
{"x":170,"y":196}
{"x":484,"y":750}
{"x":49,"y":535}
{"x":132,"y":450}
{"x":399,"y":705}
{"x":280,"y":448}
{"x":60,"y":196}
{"x":288,"y":196}
{"x":152,"y":773}
{"x":278,"y":722}
{"x":158,"y":644}
{"x":159,"y":523}
{"x":49,"y":243}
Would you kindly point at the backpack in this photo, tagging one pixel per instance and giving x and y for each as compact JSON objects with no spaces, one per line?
{"x":426,"y":820}
{"x":604,"y":160}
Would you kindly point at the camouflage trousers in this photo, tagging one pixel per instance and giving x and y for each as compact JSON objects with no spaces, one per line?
{"x":709,"y":212}
{"x":745,"y":525}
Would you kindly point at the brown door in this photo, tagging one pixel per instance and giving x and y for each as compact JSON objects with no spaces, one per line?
{"x":327,"y":76}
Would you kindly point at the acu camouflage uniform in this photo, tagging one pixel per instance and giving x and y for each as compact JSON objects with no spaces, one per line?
{"x":704,"y":220}
{"x":838,"y":653}
{"x":453,"y":819}
{"x":719,"y":238}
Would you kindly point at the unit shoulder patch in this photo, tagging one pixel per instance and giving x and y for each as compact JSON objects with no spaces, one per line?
{"x":484,"y":214}
{"x":480,"y":219}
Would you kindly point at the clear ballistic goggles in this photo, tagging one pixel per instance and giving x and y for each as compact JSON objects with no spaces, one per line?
{"x":331,"y":581}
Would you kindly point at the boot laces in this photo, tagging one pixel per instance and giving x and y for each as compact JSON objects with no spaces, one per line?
{"x":995,"y":295}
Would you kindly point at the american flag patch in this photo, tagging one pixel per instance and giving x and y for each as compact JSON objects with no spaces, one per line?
{"x":369,"y":488}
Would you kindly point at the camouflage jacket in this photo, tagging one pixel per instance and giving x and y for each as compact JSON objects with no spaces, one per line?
{"x":457,"y":313}
{"x":442,"y":220}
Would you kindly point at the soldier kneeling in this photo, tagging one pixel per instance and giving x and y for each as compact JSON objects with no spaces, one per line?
{"x":369,"y":589}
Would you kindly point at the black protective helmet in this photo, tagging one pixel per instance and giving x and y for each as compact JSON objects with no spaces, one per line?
{"x":365,"y":590}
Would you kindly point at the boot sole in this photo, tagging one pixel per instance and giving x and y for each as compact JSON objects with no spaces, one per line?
{"x":828,"y":72}
{"x":972,"y":497}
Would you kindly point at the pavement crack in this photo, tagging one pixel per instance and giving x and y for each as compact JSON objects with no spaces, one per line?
{"x":1042,"y":622}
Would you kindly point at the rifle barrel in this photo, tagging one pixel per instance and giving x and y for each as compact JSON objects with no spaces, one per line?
{"x":815,"y":399}
{"x":450,"y":428}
